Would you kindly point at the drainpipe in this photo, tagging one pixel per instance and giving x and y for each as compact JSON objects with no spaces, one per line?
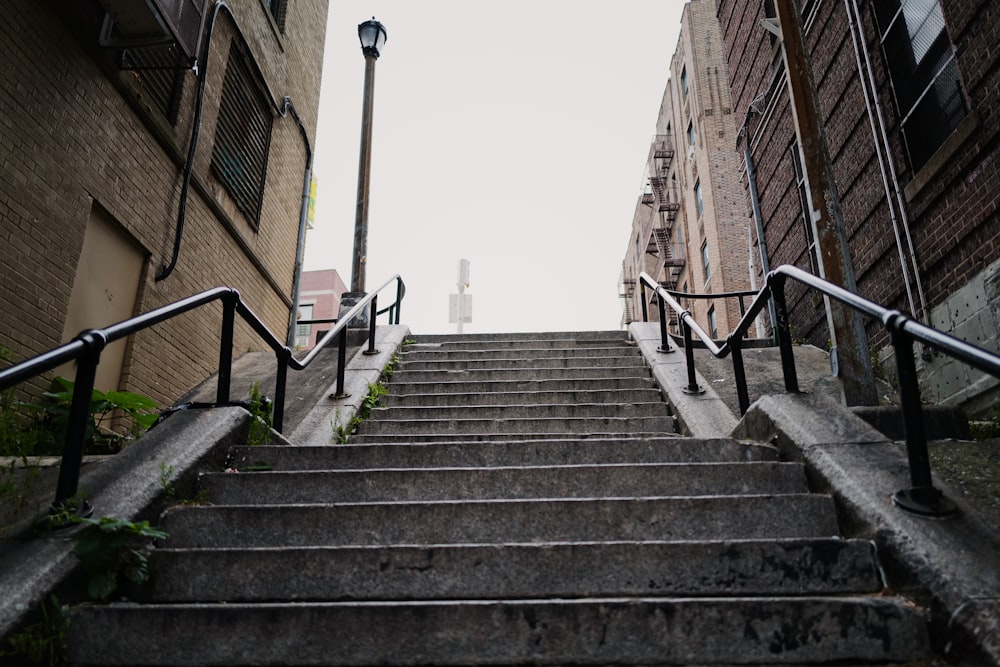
{"x":193,"y":143}
{"x":300,"y":242}
{"x":877,"y":117}
{"x":758,"y":218}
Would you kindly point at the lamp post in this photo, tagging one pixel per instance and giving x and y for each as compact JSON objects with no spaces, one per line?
{"x":372,"y":35}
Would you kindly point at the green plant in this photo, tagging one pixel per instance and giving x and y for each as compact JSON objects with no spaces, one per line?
{"x":111,"y":550}
{"x":42,"y":642}
{"x":261,"y":417}
{"x":39,"y":428}
{"x":166,"y":472}
{"x":342,"y":431}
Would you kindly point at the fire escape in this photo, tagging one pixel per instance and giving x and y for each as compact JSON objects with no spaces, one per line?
{"x":664,"y":198}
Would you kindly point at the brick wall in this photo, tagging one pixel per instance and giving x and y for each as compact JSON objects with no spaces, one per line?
{"x":73,"y":137}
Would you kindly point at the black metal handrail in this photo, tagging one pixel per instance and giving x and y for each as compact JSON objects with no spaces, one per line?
{"x":922,"y":497}
{"x":86,"y":350}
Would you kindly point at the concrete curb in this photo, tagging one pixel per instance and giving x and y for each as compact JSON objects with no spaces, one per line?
{"x":949,"y":564}
{"x":318,"y":426}
{"x":703,"y":415}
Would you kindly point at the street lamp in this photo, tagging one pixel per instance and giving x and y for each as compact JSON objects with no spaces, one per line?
{"x":372,"y":35}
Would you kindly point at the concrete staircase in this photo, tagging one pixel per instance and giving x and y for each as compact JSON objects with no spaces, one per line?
{"x":516,"y":499}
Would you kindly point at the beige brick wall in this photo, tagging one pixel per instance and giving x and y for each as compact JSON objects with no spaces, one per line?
{"x":72,"y":137}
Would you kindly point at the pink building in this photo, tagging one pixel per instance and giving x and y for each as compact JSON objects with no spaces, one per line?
{"x":319,"y":299}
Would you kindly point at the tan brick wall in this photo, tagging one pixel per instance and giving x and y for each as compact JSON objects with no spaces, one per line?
{"x":72,"y":137}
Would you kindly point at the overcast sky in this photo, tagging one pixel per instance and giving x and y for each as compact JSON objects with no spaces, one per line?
{"x":513,"y":134}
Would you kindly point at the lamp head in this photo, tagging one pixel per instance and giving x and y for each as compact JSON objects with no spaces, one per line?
{"x":372,"y":36}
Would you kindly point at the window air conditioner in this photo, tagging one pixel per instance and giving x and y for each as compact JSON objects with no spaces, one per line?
{"x":138,"y":23}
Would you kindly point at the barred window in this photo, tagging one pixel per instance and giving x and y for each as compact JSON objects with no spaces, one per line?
{"x":243,"y":136}
{"x":924,"y":73}
{"x":278,"y":9}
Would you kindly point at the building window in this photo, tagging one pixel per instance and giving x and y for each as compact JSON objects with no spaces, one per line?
{"x":156,"y":74}
{"x":242,"y":137}
{"x":303,"y":331}
{"x":713,"y":325}
{"x":698,"y":201}
{"x":705,"y":265}
{"x":924,"y":73}
{"x":804,"y":214}
{"x":684,"y":79}
{"x":691,"y":141}
{"x":278,"y":9}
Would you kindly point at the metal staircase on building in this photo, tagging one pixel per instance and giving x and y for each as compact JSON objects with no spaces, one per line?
{"x":515,"y":499}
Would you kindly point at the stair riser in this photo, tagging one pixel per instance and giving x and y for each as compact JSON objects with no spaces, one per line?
{"x":402,"y":384}
{"x":517,"y":375}
{"x":469,"y":438}
{"x":615,"y":481}
{"x":566,"y":425}
{"x":495,"y":341}
{"x":490,"y":363}
{"x":489,"y":522}
{"x":610,"y":631}
{"x":621,"y":397}
{"x":528,"y":453}
{"x":822,"y":567}
{"x":443,"y":354}
{"x":518,"y":411}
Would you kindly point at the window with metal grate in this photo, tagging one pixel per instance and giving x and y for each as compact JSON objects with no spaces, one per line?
{"x":243,"y":136}
{"x":278,"y":9}
{"x":157,"y":77}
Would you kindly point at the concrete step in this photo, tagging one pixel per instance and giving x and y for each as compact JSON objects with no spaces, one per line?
{"x":505,"y":398}
{"x":522,"y":374}
{"x":558,"y":425}
{"x":403,"y":384}
{"x":824,"y":566}
{"x":490,"y":436}
{"x":520,"y":411}
{"x":566,"y":481}
{"x":501,"y":453}
{"x":448,"y":363}
{"x":652,"y":630}
{"x":503,"y":521}
{"x":507,"y":340}
{"x":413,"y":353}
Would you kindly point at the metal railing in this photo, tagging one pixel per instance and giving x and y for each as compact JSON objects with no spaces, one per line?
{"x":86,"y":350}
{"x":922,"y":497}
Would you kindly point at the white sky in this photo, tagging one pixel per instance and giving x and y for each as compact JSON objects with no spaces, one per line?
{"x":513,"y":134}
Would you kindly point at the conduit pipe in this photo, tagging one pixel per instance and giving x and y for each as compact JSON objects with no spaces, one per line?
{"x":282,"y":111}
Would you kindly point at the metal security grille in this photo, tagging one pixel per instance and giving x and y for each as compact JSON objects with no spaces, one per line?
{"x":278,"y":8}
{"x":158,"y":74}
{"x":925,"y":77}
{"x":243,"y":136}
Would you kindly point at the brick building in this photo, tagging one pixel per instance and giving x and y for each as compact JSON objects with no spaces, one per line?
{"x":908,"y":95}
{"x":319,"y":300}
{"x":689,"y":231}
{"x":131,"y":179}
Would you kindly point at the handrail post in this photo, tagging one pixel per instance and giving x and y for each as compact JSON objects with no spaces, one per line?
{"x":921,"y":497}
{"x":373,"y":310}
{"x":280,"y":384}
{"x":642,"y":301}
{"x":394,"y":317}
{"x":229,"y":302}
{"x":76,"y":426}
{"x":664,"y":341}
{"x":692,"y":386}
{"x":739,"y":375}
{"x":784,"y":334}
{"x":341,"y":363}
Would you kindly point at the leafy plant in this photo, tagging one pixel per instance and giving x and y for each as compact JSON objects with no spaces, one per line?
{"x":42,"y":642}
{"x":261,"y":413}
{"x":111,"y":550}
{"x":39,"y":428}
